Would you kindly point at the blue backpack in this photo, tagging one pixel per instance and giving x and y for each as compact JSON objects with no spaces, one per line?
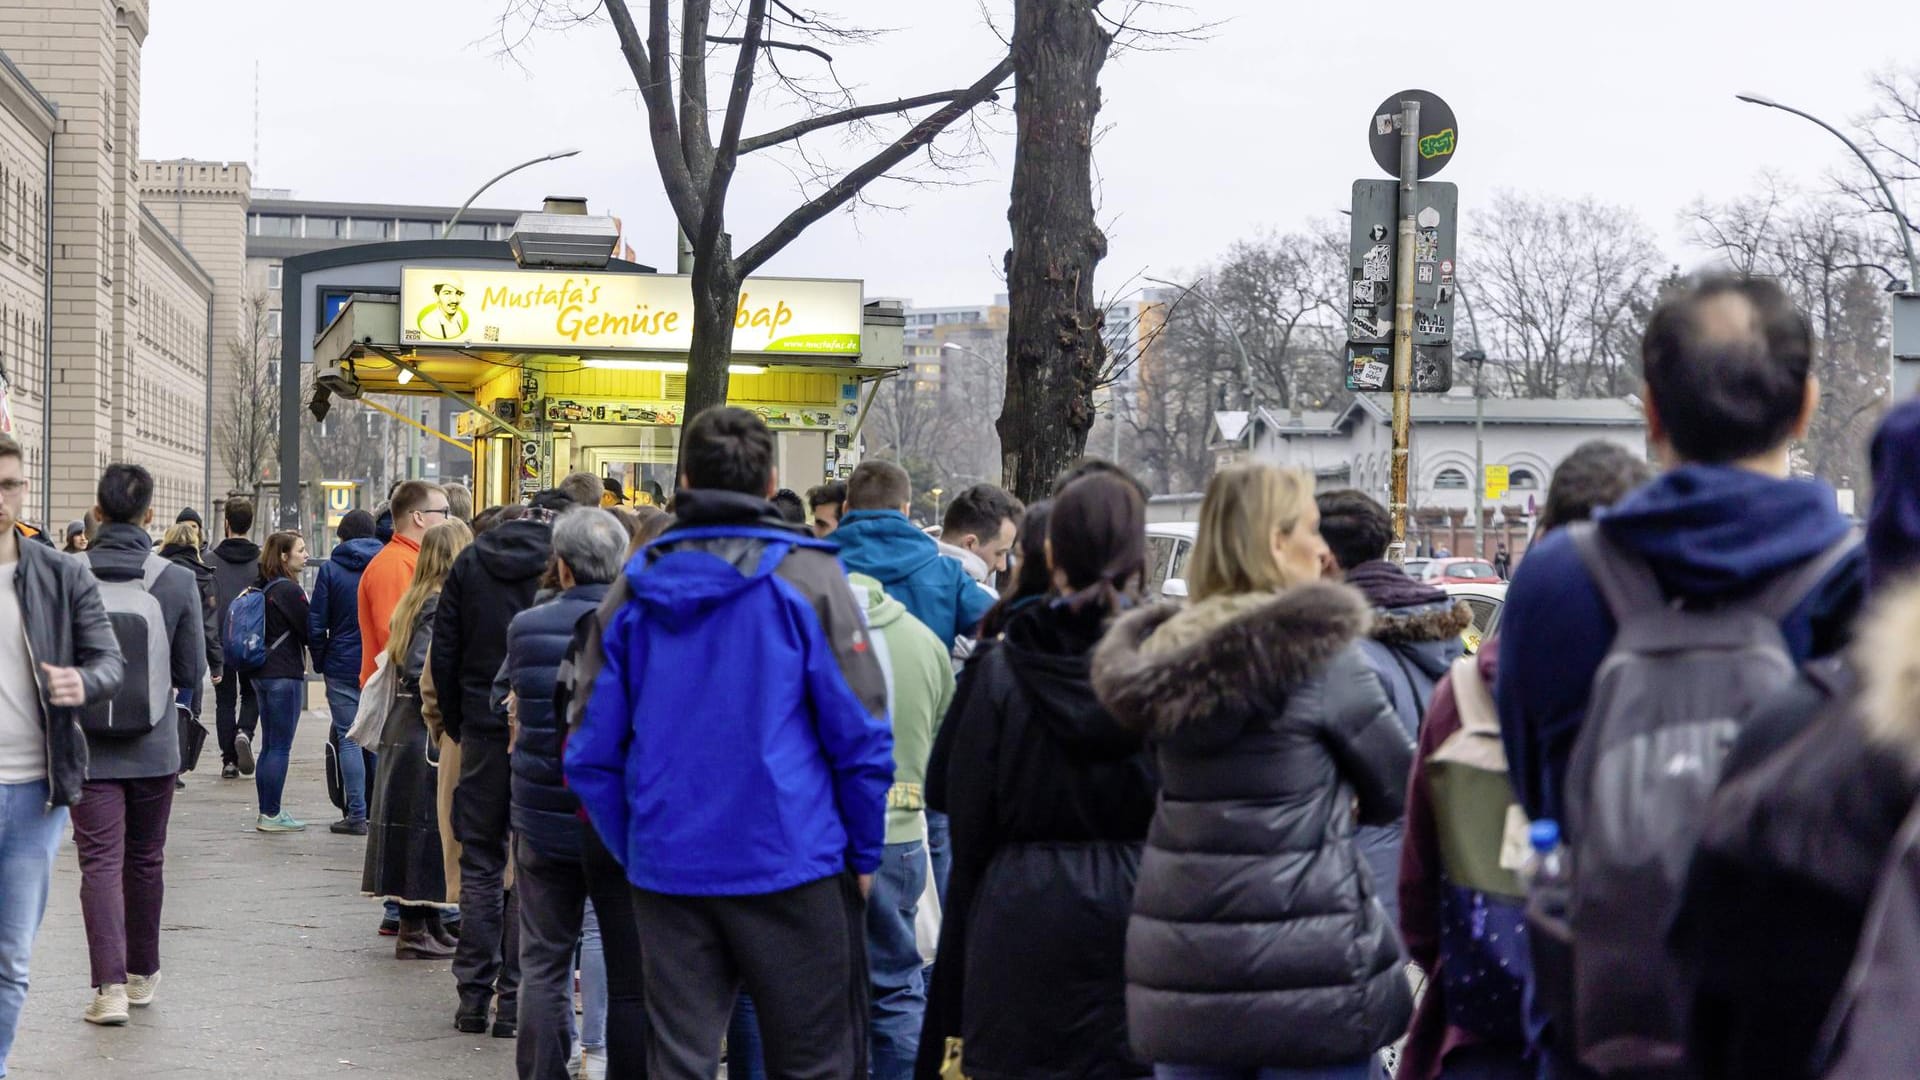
{"x":245,"y":638}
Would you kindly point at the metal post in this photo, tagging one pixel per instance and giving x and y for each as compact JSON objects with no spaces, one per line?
{"x":1403,"y":323}
{"x":1479,"y":455}
{"x":683,"y":251}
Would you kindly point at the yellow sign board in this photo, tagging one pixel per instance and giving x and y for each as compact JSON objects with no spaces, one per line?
{"x":1496,"y":482}
{"x":566,"y":311}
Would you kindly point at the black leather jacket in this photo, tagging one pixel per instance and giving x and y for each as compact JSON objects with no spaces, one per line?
{"x":66,"y":626}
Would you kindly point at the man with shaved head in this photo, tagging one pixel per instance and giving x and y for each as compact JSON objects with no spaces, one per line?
{"x":1728,"y":390}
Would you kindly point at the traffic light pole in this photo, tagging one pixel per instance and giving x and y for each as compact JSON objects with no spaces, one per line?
{"x":1403,"y":323}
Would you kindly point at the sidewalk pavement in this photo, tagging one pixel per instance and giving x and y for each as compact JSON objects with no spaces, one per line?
{"x":270,"y":960}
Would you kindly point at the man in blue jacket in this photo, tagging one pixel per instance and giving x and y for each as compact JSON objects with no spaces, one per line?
{"x":333,"y":631}
{"x":1728,"y":391}
{"x":877,"y":540}
{"x":748,"y":809}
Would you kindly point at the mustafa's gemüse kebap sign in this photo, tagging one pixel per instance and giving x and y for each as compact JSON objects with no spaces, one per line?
{"x":551,"y":310}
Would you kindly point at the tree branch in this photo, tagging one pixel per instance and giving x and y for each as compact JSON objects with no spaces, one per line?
{"x":794,"y":45}
{"x":874,"y":167}
{"x":847,"y":116}
{"x":648,"y":63}
{"x":696,"y":141}
{"x":727,"y":153}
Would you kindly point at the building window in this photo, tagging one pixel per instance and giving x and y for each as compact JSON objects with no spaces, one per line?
{"x":273,"y":275}
{"x":370,"y":229}
{"x":1450,"y":480}
{"x":419,"y":230}
{"x":325,"y":228}
{"x":1523,"y":480}
{"x":468,"y":230}
{"x":274,"y":225}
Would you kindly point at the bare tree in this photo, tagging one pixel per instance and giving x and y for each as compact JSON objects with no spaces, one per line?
{"x":1891,"y":136}
{"x":248,"y":436}
{"x":1561,"y":289}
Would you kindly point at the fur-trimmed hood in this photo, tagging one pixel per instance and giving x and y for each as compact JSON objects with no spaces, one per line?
{"x":1886,"y":653}
{"x":1192,"y":672}
{"x":1418,"y":625}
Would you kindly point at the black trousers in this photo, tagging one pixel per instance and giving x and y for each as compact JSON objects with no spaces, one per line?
{"x":234,"y":689}
{"x":488,"y":959}
{"x":553,"y":905}
{"x":620,"y":941}
{"x":801,"y":954}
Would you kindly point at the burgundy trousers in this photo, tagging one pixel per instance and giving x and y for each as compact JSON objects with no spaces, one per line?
{"x":120,"y":832}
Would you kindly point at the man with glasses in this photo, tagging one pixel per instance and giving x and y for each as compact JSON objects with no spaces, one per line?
{"x":417,"y":506}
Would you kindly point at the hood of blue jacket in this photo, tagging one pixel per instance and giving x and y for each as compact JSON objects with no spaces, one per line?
{"x":883,"y":544}
{"x":687,"y":581}
{"x":1893,"y":524}
{"x":1708,"y":530}
{"x":354,"y":555}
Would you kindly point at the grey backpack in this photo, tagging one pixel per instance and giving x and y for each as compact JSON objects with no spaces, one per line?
{"x":145,"y":697}
{"x":1674,"y":691}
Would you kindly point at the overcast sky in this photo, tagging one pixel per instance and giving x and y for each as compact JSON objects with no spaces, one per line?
{"x":1263,"y":126}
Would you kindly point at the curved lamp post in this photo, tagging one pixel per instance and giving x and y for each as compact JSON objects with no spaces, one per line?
{"x":447,"y":230}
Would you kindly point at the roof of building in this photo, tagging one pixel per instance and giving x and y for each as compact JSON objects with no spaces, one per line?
{"x":177,"y":249}
{"x":1430,"y":409}
{"x":27,"y":84}
{"x":327,"y":208}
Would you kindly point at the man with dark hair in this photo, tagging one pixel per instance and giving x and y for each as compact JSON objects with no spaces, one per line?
{"x":751,"y":822}
{"x":333,"y":634}
{"x":493,"y":580}
{"x":978,"y":529}
{"x":236,"y":712}
{"x":790,"y":506}
{"x":826,"y":503}
{"x":1415,"y":637}
{"x":877,"y":540}
{"x":120,"y":823}
{"x":57,"y":654}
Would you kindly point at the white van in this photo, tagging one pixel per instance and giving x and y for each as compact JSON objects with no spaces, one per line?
{"x":1169,"y":546}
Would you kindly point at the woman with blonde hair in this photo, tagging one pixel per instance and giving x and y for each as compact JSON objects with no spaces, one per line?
{"x":181,"y":547}
{"x":404,"y":863}
{"x":1258,"y":947}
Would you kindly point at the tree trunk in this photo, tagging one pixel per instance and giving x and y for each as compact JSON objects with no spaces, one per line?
{"x":1054,"y":347}
{"x":716,"y":297}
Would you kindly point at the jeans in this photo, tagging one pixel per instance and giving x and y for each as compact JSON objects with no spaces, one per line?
{"x":939,"y":842}
{"x":280,"y":715}
{"x":236,"y":708}
{"x":120,"y":832}
{"x":1359,"y":1070}
{"x":612,"y":897}
{"x":30,"y":836}
{"x":593,"y":983}
{"x":356,"y":765}
{"x":893,"y":960}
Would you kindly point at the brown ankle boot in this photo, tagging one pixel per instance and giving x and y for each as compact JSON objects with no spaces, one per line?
{"x":416,"y":942}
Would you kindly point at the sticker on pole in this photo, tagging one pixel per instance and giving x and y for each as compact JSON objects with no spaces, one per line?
{"x":1439,"y":133}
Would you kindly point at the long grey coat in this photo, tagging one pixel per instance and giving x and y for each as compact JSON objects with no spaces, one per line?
{"x":1258,"y":938}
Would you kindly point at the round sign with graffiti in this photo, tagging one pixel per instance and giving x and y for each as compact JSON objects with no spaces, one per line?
{"x":1439,"y":133}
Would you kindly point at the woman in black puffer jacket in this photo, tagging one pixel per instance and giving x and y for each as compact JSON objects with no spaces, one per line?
{"x":1258,"y":944}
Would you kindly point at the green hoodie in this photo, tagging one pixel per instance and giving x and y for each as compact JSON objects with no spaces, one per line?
{"x":919,"y":689}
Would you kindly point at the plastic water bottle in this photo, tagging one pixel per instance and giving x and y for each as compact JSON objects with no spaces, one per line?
{"x":1546,"y":866}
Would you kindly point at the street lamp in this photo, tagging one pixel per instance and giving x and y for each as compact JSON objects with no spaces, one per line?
{"x":936,"y":493}
{"x":1246,"y":365}
{"x":447,"y":230}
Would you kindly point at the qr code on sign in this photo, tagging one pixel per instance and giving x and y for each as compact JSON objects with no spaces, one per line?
{"x":493,"y":333}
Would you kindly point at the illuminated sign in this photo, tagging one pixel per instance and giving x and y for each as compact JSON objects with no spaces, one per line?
{"x":564,"y":311}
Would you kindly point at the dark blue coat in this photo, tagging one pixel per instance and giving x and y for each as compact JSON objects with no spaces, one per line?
{"x":333,"y":617}
{"x":545,"y":813}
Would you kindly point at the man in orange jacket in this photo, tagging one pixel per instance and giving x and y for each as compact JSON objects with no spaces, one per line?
{"x":417,"y":506}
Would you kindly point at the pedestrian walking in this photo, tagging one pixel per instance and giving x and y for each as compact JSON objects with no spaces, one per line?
{"x":493,"y":580}
{"x":181,"y":546}
{"x":120,"y":822}
{"x":1725,"y":569}
{"x":58,"y":655}
{"x":749,"y":822}
{"x":280,"y":681}
{"x":235,"y":562}
{"x":1258,"y":945}
{"x":1050,"y":798}
{"x":333,"y":631}
{"x":919,"y":690}
{"x":76,"y":541}
{"x":589,"y":547}
{"x":1415,"y":636}
{"x":1460,"y":909}
{"x":405,"y":865}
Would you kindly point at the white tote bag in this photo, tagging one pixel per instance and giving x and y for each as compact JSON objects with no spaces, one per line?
{"x":926,"y":917}
{"x":376,"y":701}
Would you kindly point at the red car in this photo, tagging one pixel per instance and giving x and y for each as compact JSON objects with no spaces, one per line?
{"x":1459,"y":572}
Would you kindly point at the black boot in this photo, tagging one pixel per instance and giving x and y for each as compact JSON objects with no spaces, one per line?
{"x":471,"y":1017}
{"x":416,"y":942}
{"x":439,"y":931}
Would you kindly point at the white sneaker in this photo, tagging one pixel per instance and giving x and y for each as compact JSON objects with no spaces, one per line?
{"x":243,"y":753}
{"x":141,"y":988}
{"x":593,"y":1065}
{"x":109,"y":1008}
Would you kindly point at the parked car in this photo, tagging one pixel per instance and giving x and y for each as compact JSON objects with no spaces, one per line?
{"x":1486,"y":602}
{"x":1416,"y":567}
{"x":1169,"y":546}
{"x":1459,"y":571}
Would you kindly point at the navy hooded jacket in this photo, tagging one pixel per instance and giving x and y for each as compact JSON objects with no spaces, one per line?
{"x":333,"y":615}
{"x":545,"y":813}
{"x":1709,"y":533}
{"x":885,"y":546}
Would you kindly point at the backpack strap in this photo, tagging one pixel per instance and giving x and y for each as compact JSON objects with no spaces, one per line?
{"x":1624,"y":579}
{"x":150,"y":576}
{"x":1785,"y":593}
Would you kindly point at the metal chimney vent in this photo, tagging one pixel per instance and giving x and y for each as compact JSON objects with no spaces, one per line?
{"x":564,"y":234}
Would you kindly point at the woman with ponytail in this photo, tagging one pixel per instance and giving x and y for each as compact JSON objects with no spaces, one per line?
{"x":1050,"y":800}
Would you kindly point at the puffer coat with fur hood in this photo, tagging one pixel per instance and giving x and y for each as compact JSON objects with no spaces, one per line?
{"x":1257,"y":936}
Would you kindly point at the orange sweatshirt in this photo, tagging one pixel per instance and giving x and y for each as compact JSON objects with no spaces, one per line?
{"x":382,"y":584}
